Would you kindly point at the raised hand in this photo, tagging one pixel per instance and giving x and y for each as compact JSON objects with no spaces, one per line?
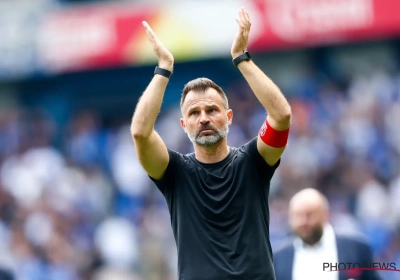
{"x":242,"y":36}
{"x":165,"y":58}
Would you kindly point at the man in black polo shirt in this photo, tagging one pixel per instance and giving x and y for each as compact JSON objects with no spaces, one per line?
{"x":218,"y":195}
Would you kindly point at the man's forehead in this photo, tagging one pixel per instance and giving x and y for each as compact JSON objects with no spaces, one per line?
{"x":194,"y":99}
{"x":305,"y":205}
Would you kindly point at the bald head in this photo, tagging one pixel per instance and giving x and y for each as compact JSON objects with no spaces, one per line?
{"x":309,"y":198}
{"x":308,"y":213}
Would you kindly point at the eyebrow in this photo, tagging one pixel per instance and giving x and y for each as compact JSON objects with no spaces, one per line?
{"x":198,"y":107}
{"x":193,"y":108}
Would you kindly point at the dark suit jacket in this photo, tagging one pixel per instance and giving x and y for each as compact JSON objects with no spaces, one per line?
{"x":6,"y":275}
{"x":350,"y":250}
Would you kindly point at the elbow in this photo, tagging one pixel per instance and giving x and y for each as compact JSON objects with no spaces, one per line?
{"x":283,"y":119}
{"x":285,"y":116}
{"x":137,"y":133}
{"x":134,"y":131}
{"x":288,"y":115}
{"x":138,"y":136}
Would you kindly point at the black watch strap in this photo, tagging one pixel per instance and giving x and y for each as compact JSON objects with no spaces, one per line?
{"x":163,"y":72}
{"x":244,"y":56}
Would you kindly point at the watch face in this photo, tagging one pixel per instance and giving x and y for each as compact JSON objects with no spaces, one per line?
{"x":244,"y":55}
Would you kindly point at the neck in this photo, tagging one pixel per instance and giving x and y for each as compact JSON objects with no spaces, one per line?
{"x":212,"y":154}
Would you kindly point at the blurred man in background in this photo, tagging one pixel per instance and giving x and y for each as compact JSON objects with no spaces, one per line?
{"x":316,"y":244}
{"x":218,"y":195}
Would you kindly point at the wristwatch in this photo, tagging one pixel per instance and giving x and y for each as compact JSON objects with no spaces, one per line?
{"x":163,"y":72}
{"x":244,"y":56}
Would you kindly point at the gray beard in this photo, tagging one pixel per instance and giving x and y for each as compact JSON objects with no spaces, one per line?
{"x":208,"y":139}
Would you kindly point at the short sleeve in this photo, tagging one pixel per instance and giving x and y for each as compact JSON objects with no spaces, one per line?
{"x":250,"y":148}
{"x":167,"y":182}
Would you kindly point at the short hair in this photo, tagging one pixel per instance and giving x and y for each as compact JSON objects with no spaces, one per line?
{"x":200,"y":85}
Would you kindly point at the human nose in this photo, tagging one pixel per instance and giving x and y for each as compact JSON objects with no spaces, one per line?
{"x":204,"y":118}
{"x":302,"y":219}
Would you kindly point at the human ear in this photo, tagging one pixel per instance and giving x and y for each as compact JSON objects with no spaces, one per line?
{"x":182,"y":121}
{"x":229,"y":115}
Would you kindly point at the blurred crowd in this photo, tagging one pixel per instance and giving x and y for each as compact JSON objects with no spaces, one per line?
{"x":84,"y":209}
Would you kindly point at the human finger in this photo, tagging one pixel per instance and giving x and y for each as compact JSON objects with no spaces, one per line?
{"x":240,"y":22}
{"x":149,"y":31}
{"x":244,"y":22}
{"x":242,"y":16}
{"x":147,"y":26}
{"x":246,"y":16}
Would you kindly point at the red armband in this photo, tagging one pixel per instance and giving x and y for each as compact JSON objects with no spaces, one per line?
{"x":273,"y":137}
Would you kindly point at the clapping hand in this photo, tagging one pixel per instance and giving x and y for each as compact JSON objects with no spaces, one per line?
{"x":165,"y":58}
{"x":242,"y":36}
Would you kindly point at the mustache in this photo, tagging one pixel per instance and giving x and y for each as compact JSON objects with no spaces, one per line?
{"x":204,"y":127}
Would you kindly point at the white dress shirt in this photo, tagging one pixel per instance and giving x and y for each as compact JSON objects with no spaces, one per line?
{"x":308,"y":260}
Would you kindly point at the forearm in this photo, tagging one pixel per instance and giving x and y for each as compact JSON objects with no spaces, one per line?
{"x":267,"y":93}
{"x":148,"y":107}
